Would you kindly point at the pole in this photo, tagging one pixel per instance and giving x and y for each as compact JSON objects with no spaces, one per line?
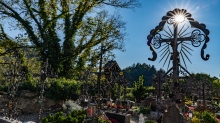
{"x":99,"y":78}
{"x":118,"y":101}
{"x":175,"y":60}
{"x":159,"y":85}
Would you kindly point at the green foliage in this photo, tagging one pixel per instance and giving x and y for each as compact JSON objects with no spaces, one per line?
{"x":197,"y":114}
{"x":144,"y":110}
{"x":196,"y":120}
{"x":45,"y":20}
{"x":133,"y":72}
{"x":208,"y":118}
{"x":150,"y":89}
{"x":61,"y":89}
{"x":150,"y":121}
{"x":31,"y":85}
{"x":101,"y":120}
{"x":130,"y":96}
{"x":76,"y":116}
{"x":139,"y":90}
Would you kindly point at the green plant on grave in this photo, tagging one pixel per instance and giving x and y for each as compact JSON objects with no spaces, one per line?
{"x":208,"y":117}
{"x":130,"y":96}
{"x":136,"y":109}
{"x":144,"y":110}
{"x":76,"y":116}
{"x":102,"y":120}
{"x":139,"y":90}
{"x":150,"y":121}
{"x":197,"y":114}
{"x":196,"y":120}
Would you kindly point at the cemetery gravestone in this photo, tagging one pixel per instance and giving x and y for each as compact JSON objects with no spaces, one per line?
{"x":173,"y":115}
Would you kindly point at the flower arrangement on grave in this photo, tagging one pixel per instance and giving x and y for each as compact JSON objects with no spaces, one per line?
{"x":103,"y":119}
{"x":125,"y":105}
{"x":114,"y":105}
{"x":109,"y":105}
{"x":113,"y":120}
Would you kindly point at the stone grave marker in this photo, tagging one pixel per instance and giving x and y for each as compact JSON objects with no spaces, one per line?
{"x":173,"y":115}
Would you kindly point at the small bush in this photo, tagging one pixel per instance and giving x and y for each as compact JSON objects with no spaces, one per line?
{"x":150,"y":121}
{"x":29,"y":85}
{"x":61,"y":89}
{"x":208,"y":118}
{"x":197,"y":114}
{"x":76,"y":116}
{"x":144,"y":110}
{"x":130,"y":96}
{"x":196,"y":120}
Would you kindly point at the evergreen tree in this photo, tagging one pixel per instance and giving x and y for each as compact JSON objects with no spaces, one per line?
{"x":133,"y":72}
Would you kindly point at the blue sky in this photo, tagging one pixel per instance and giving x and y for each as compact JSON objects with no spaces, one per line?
{"x":147,"y":17}
{"x":142,"y":20}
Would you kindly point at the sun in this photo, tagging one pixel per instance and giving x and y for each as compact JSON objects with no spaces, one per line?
{"x":179,"y":18}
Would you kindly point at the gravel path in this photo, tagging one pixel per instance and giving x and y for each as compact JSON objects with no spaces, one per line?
{"x":31,"y":118}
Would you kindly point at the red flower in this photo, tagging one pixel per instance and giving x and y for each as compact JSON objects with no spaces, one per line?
{"x":113,"y":120}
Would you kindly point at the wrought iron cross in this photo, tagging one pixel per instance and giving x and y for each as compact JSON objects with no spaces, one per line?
{"x":181,"y":38}
{"x":15,"y":75}
{"x":46,"y":71}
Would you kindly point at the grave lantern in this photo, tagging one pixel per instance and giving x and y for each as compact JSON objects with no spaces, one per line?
{"x":190,"y":114}
{"x":91,"y":110}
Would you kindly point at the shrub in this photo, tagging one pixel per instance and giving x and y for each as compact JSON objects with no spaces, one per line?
{"x":136,"y":109}
{"x":29,"y":85}
{"x":61,"y":89}
{"x":3,"y":88}
{"x":197,"y":114}
{"x":150,"y":121}
{"x":130,"y":96}
{"x":144,"y":110}
{"x":139,"y":90}
{"x":76,"y":116}
{"x":208,"y":118}
{"x":195,"y":120}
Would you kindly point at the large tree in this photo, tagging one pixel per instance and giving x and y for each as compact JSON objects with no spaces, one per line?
{"x":67,"y":32}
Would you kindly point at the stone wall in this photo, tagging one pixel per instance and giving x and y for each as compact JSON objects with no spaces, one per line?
{"x":27,"y":102}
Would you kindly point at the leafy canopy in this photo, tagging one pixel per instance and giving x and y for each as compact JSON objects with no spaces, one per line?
{"x":68,"y":32}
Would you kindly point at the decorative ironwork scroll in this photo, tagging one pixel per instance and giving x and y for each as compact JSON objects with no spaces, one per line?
{"x":163,"y":37}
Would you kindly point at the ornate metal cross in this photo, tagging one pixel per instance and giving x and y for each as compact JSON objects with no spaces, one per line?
{"x":46,"y":71}
{"x":176,"y":44}
{"x":14,"y":75}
